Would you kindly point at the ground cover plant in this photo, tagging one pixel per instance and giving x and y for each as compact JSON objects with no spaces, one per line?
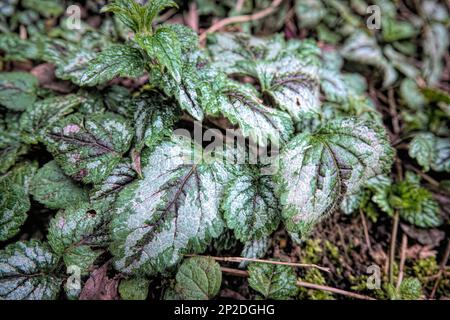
{"x":224,"y":149}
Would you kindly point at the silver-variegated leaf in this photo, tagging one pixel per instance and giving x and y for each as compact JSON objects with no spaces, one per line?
{"x":250,"y":207}
{"x":117,"y":60}
{"x":318,"y":169}
{"x":26,"y":272}
{"x":241,"y":106}
{"x":431,"y":152}
{"x":173,"y":210}
{"x":88,"y":148}
{"x":14,"y":199}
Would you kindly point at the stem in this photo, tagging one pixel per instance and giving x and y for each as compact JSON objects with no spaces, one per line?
{"x":366,"y":231}
{"x":442,"y":269}
{"x":333,"y":290}
{"x":240,"y":19}
{"x":392,"y":249}
{"x":242,"y":273}
{"x":402,"y":260}
{"x":241,"y":259}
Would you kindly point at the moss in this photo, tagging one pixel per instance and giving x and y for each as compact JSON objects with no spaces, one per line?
{"x":332,"y":250}
{"x":314,"y":276}
{"x":425,"y":270}
{"x":312,"y":252}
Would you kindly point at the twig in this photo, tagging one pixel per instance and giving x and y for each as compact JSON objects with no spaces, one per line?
{"x":333,"y":290}
{"x":234,"y":272}
{"x":393,"y":112}
{"x":240,"y":19}
{"x":192,"y":16}
{"x":240,"y":259}
{"x":442,"y":269}
{"x":239,"y":5}
{"x":366,"y":230}
{"x":165,"y":16}
{"x":402,"y":260}
{"x":426,"y":177}
{"x":392,"y":249}
{"x":242,"y":273}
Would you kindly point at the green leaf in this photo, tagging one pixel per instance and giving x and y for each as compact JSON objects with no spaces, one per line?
{"x":292,"y":85}
{"x":106,"y":191}
{"x":364,"y":49}
{"x":11,"y":148}
{"x":273,"y":281}
{"x":195,"y":93}
{"x":431,"y":152}
{"x":117,"y":60}
{"x":71,"y":61}
{"x":172,"y":211}
{"x":309,"y":12}
{"x":318,"y":169}
{"x":119,"y":100}
{"x":88,"y":148}
{"x":17,"y":90}
{"x":136,"y":16}
{"x":250,"y":207}
{"x":165,"y":48}
{"x":411,"y":95}
{"x":16,"y":49}
{"x":415,"y":204}
{"x":410,"y":289}
{"x":14,"y":205}
{"x":154,"y":7}
{"x":287,"y":73}
{"x":198,"y":278}
{"x":154,"y":118}
{"x":51,"y":187}
{"x":75,"y":226}
{"x":254,"y":249}
{"x":230,"y":49}
{"x":73,"y":233}
{"x":26,"y":272}
{"x":82,"y":257}
{"x":188,"y":38}
{"x":435,"y":45}
{"x":44,"y":113}
{"x":14,"y":200}
{"x":394,"y":30}
{"x":134,"y":288}
{"x":241,"y":105}
{"x":47,"y":8}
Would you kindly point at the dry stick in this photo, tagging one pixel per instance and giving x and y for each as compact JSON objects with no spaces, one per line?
{"x":242,"y":273}
{"x":192,"y":16}
{"x":392,"y":249}
{"x":239,"y":5}
{"x":240,"y":19}
{"x":402,"y":260}
{"x":366,"y":230}
{"x":396,"y":128}
{"x":423,"y":175}
{"x":442,"y":269}
{"x":235,"y":272}
{"x":333,"y":290}
{"x":241,"y":259}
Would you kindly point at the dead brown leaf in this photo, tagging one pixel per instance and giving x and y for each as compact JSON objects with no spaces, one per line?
{"x":45,"y":73}
{"x":417,"y":251}
{"x":99,"y":286}
{"x":426,"y":237}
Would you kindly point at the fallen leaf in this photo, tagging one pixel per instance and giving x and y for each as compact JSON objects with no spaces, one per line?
{"x":426,"y":237}
{"x":99,"y":286}
{"x":417,"y":252}
{"x":45,"y":73}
